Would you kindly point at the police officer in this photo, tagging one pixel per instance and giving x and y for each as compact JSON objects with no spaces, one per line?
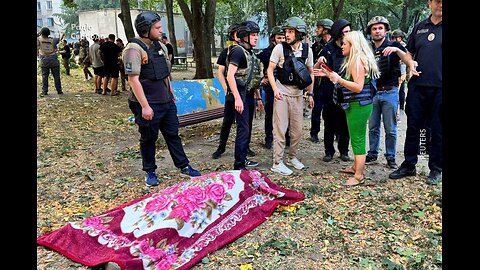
{"x":335,"y":121}
{"x":229,"y":107}
{"x":424,"y":99}
{"x":240,"y":69}
{"x":276,"y":37}
{"x":47,"y":53}
{"x":323,"y":37}
{"x":152,"y":100}
{"x":288,"y":93}
{"x":385,"y":103}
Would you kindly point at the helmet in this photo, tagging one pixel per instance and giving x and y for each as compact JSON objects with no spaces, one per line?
{"x":246,"y":28}
{"x":398,"y":33}
{"x":377,"y":20}
{"x":276,"y":30}
{"x":296,"y":23}
{"x":144,"y":22}
{"x":231,"y":30}
{"x":45,"y":31}
{"x":325,"y":23}
{"x":337,"y":28}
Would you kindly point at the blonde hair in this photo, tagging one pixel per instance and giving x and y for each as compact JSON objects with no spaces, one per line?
{"x":360,"y":51}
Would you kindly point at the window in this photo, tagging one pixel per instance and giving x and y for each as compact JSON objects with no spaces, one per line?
{"x":39,"y":6}
{"x":49,"y":21}
{"x":49,"y":5}
{"x":39,"y":22}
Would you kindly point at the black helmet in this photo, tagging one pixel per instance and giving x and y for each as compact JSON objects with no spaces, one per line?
{"x":144,"y":22}
{"x":377,"y":20}
{"x":45,"y":31}
{"x":337,"y":28}
{"x":246,"y":28}
{"x":231,"y":30}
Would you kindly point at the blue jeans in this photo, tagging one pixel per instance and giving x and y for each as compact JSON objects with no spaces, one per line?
{"x":385,"y":105}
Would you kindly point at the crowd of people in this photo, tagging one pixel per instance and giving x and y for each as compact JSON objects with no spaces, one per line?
{"x":357,"y":83}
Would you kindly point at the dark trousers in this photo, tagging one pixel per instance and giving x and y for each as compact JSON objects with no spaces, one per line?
{"x":228,"y":119}
{"x":250,"y":104}
{"x":424,"y":110}
{"x":165,"y":119}
{"x":335,"y":122}
{"x":268,"y":107}
{"x":56,"y":78}
{"x":316,"y":114}
{"x":243,"y":134}
{"x":66,"y":64}
{"x":401,"y":96}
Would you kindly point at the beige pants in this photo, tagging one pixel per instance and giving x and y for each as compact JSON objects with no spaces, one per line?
{"x":287,"y":112}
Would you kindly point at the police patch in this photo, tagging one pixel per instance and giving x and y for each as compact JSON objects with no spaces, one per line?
{"x":128,"y":67}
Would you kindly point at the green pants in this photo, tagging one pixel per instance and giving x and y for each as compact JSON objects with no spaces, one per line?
{"x":357,"y":119}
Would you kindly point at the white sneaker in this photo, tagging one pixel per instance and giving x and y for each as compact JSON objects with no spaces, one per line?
{"x":281,"y":169}
{"x":295,"y":163}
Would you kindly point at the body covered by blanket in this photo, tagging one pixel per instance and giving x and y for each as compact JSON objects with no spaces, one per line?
{"x":176,"y":227}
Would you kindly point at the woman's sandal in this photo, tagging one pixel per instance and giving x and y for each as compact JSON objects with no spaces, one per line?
{"x":348,"y":170}
{"x":357,"y":182}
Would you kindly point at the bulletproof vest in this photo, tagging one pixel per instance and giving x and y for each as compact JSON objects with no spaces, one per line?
{"x":249,"y":77}
{"x":387,"y":67}
{"x":343,"y":96}
{"x":157,"y":67}
{"x":286,"y":74}
{"x":46,"y":46}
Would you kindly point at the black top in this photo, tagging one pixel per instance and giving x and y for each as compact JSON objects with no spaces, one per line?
{"x":110,"y":52}
{"x":237,"y":57}
{"x":222,"y":58}
{"x":425,"y":43}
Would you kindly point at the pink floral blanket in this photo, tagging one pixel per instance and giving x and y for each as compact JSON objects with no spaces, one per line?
{"x":176,"y":227}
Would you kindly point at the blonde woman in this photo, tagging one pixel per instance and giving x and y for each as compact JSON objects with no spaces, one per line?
{"x":354,"y":91}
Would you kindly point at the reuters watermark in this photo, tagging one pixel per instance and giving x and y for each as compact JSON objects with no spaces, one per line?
{"x":423,"y":153}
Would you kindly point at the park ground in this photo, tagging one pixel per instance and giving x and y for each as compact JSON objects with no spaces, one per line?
{"x":88,"y":162}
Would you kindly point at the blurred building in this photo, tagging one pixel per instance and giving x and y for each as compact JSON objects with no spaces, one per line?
{"x":45,"y":18}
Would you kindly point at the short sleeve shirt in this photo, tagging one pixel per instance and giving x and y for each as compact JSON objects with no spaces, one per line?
{"x":278,"y":58}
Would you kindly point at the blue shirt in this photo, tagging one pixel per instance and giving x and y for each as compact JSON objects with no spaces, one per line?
{"x":425,"y":44}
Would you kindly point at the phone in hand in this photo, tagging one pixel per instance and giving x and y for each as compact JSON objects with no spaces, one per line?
{"x":326,"y":67}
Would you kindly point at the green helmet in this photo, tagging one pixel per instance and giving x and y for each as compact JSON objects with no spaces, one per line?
{"x":296,"y":23}
{"x":276,"y":30}
{"x":398,"y":33}
{"x":325,"y":23}
{"x":377,"y":20}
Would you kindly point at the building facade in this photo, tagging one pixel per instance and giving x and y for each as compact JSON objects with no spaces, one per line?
{"x":45,"y":17}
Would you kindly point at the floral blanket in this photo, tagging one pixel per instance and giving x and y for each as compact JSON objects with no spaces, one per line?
{"x":176,"y":227}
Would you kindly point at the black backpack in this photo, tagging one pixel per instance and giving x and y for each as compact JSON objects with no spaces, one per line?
{"x":295,"y":71}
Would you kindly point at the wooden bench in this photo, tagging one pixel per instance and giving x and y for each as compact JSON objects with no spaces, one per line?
{"x":199,"y":117}
{"x":180,"y":62}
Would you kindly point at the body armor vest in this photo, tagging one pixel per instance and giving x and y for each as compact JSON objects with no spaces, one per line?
{"x":46,"y":46}
{"x":153,"y":70}
{"x":286,"y":74}
{"x":247,"y":78}
{"x":387,"y":67}
{"x":343,"y":96}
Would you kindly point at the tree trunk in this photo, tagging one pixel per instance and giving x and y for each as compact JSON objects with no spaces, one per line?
{"x":403,"y":20}
{"x":171,"y":25}
{"x":200,"y":26}
{"x":271,"y":17}
{"x":337,"y":9}
{"x":214,"y":49}
{"x":126,"y":19}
